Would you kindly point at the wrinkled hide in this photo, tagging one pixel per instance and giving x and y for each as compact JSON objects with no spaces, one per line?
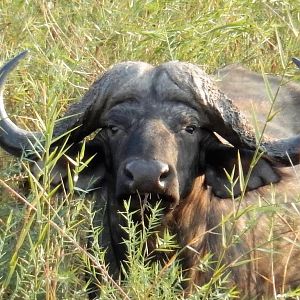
{"x":167,"y":134}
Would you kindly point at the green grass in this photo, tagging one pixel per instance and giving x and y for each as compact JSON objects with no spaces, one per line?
{"x":43,"y":238}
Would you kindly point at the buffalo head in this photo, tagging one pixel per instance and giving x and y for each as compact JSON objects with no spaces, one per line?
{"x":157,"y":131}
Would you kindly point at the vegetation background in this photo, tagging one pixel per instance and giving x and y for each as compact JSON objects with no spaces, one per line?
{"x":42,"y":244}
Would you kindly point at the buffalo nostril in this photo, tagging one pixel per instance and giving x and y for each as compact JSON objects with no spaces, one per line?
{"x":164,"y":172}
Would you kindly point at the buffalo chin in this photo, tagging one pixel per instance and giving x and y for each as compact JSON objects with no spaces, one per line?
{"x":143,"y":202}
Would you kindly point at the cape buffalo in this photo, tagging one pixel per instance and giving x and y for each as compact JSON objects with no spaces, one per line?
{"x":168,"y":134}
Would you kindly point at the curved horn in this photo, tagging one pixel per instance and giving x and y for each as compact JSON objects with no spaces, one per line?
{"x":225,"y":118}
{"x":232,"y":125}
{"x":12,"y":138}
{"x":85,"y":116}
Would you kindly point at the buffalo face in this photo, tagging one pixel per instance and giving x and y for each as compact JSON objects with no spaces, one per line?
{"x":153,"y":143}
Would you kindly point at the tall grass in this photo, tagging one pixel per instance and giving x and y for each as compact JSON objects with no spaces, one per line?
{"x":43,"y":252}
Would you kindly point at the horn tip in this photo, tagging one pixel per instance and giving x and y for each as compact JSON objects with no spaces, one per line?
{"x":23,"y":53}
{"x":14,"y":61}
{"x":10,"y":65}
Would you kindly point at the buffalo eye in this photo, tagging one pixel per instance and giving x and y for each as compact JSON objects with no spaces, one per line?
{"x":190,"y":129}
{"x":112,"y":129}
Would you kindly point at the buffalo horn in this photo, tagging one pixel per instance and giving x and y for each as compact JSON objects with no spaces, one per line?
{"x":12,"y":138}
{"x":226,"y":120}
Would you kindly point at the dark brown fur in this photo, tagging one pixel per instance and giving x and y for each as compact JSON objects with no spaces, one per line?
{"x":254,"y":270}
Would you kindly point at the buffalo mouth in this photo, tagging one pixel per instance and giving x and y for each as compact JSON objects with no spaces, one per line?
{"x":143,"y":201}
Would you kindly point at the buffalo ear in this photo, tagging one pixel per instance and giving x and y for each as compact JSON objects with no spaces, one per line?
{"x":223,"y":157}
{"x":88,"y":178}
